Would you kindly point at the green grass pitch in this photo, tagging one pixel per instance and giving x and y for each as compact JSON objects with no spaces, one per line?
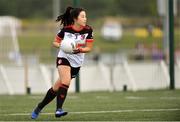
{"x":153,"y":105}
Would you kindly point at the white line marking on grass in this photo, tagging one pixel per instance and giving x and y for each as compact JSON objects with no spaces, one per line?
{"x":102,"y":97}
{"x":135,"y":98}
{"x":123,"y":111}
{"x":100,"y":112}
{"x":170,"y":98}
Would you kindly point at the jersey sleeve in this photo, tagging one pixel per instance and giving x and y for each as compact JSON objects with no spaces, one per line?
{"x":90,"y":36}
{"x":59,"y":36}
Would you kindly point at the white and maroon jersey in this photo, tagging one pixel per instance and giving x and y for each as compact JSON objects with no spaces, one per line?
{"x":80,"y":37}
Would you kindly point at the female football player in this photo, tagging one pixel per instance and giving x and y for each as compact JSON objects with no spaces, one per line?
{"x":68,"y":65}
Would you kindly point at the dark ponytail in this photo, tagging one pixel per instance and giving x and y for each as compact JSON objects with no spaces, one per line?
{"x":68,"y":17}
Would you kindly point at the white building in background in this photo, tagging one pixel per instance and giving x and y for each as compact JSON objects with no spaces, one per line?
{"x":112,"y":30}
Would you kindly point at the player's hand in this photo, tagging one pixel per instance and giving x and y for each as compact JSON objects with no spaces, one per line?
{"x":77,"y":50}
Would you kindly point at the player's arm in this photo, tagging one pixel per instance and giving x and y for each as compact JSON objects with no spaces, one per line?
{"x":87,"y":48}
{"x":57,"y":42}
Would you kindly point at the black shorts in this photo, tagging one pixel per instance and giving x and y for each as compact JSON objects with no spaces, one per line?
{"x":64,"y":61}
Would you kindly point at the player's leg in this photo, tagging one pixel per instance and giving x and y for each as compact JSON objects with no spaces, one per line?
{"x":65,"y":75}
{"x":50,"y":95}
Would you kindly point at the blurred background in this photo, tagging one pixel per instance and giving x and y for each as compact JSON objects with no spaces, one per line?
{"x":130,"y":49}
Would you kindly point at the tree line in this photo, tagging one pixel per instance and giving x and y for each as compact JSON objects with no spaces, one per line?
{"x":95,"y":8}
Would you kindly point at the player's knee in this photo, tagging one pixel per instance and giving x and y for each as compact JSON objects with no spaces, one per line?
{"x":66,"y":82}
{"x":58,"y":84}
